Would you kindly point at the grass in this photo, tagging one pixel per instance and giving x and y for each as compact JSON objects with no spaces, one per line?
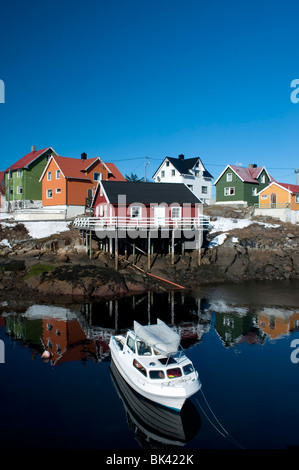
{"x":38,"y":269}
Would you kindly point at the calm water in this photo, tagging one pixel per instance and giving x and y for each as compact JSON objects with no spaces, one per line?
{"x":238,"y":337}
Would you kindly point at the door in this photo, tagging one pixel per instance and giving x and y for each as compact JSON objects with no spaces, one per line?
{"x":273,"y":200}
{"x":159,"y":215}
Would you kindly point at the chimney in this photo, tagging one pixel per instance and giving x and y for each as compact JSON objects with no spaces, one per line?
{"x":83,"y":156}
{"x":181,"y":157}
{"x":252,"y":165}
{"x":33,"y":148}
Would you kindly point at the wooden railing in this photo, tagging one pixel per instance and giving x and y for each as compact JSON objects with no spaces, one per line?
{"x":273,"y":205}
{"x":100,"y":223}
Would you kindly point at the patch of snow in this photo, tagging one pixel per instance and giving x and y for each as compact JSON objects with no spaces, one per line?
{"x":218,"y":240}
{"x":224,"y":224}
{"x":41,"y":229}
{"x":5,"y":242}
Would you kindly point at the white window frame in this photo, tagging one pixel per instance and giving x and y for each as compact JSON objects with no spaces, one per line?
{"x":229,"y":176}
{"x":229,"y":191}
{"x":263,"y":179}
{"x":177,"y":209}
{"x":172,"y":172}
{"x":254,"y":191}
{"x":162,"y":174}
{"x":58,"y":174}
{"x":98,"y":178}
{"x":138,"y":210}
{"x":265,"y":196}
{"x":19,"y":173}
{"x":204,"y":190}
{"x":49,"y":176}
{"x":297,"y":198}
{"x":19,"y":189}
{"x":48,"y":192}
{"x":58,"y":190}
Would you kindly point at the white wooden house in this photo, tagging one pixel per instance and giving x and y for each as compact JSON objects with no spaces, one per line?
{"x":190,"y":171}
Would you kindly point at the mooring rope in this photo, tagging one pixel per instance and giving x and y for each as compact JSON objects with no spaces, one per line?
{"x":225,"y":434}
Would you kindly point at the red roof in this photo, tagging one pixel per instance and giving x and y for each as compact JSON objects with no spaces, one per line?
{"x":77,"y":167}
{"x":249,"y":175}
{"x":116,"y":174}
{"x":74,"y":167}
{"x":291,"y":187}
{"x":27,"y":159}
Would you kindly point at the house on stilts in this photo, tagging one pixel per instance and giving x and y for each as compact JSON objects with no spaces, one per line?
{"x":147,"y":217}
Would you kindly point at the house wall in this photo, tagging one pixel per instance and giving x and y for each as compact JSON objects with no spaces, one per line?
{"x":243,"y":191}
{"x":282,"y":196}
{"x":54,"y":184}
{"x":197,"y":182}
{"x":28,"y":180}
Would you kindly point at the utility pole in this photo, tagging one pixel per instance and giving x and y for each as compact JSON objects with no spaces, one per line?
{"x":145,"y":165}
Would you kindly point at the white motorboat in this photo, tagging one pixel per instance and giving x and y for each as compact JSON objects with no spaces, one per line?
{"x":152,"y":362}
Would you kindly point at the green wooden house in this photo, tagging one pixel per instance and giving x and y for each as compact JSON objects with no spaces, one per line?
{"x":22,"y":179}
{"x":239,"y":185}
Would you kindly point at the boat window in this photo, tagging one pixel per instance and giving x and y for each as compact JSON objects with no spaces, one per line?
{"x":167,"y":360}
{"x":139,"y":367}
{"x":188,"y":369}
{"x":175,"y":372}
{"x":143,"y":349}
{"x":131,"y":343}
{"x":156,"y":374}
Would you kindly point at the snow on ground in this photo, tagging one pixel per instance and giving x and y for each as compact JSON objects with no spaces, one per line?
{"x":225,"y":224}
{"x":41,"y":229}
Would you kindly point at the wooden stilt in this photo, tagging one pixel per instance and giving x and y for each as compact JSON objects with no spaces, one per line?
{"x":116,"y":248}
{"x":149,"y":250}
{"x":172,"y":247}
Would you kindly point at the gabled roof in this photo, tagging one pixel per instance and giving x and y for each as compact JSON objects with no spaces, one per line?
{"x":25,"y":161}
{"x":148,"y":193}
{"x":76,"y":168}
{"x":247,"y":175}
{"x":185,"y":165}
{"x":291,"y":188}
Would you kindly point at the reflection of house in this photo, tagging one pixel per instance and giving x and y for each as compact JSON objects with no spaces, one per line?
{"x":235,"y":329}
{"x":70,"y":183}
{"x":238,"y":185}
{"x":2,"y":190}
{"x":66,"y":340}
{"x":276,"y":323}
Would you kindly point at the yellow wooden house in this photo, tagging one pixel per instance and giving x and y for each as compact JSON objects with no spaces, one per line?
{"x":279,"y":196}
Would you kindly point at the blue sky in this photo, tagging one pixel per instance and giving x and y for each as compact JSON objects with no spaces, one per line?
{"x":127,"y":79}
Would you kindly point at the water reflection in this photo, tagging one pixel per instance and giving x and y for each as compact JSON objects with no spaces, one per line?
{"x":154,"y":426}
{"x":81,"y":332}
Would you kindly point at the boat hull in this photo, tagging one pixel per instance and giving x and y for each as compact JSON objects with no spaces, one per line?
{"x":171,"y":395}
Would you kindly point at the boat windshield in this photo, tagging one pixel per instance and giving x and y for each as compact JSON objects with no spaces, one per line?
{"x":143,"y":349}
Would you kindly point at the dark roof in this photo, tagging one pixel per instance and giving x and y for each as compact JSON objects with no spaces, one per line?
{"x":185,"y":165}
{"x":149,"y":193}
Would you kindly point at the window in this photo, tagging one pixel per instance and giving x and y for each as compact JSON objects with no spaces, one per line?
{"x":204,"y":190}
{"x":58,"y":190}
{"x":167,"y":163}
{"x":131,"y":343}
{"x":136,"y":211}
{"x":156,"y":374}
{"x":173,"y":373}
{"x":297,"y":198}
{"x":265,"y":196}
{"x":263,"y":179}
{"x":19,"y":189}
{"x":229,"y":177}
{"x":58,"y":174}
{"x":175,"y":212}
{"x":162,"y":174}
{"x":188,"y":369}
{"x":229,"y":191}
{"x":19,"y":174}
{"x":254,"y":191}
{"x":139,"y":367}
{"x":143,"y":349}
{"x":172,"y":172}
{"x":196,"y":173}
{"x":49,"y":193}
{"x":49,"y":176}
{"x":97,"y":176}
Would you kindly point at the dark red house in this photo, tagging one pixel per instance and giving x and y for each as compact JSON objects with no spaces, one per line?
{"x":146,"y":204}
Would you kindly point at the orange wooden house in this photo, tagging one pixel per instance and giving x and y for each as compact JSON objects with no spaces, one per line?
{"x":279,"y":196}
{"x":70,"y":183}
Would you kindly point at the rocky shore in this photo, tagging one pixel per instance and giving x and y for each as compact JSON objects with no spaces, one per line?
{"x":58,"y":265}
